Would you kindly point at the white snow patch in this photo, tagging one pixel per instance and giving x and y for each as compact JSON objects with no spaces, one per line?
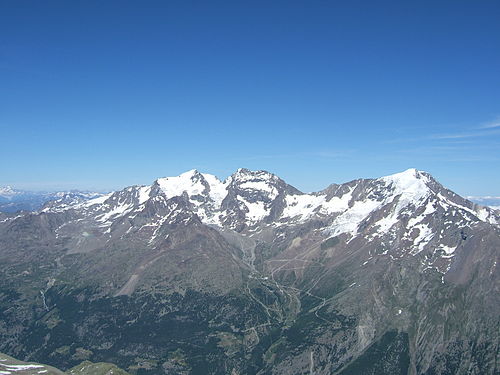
{"x":302,"y":206}
{"x":117,"y":211}
{"x":256,"y":210}
{"x":409,"y":181}
{"x":194,"y":184}
{"x":218,"y":189}
{"x":98,"y":200}
{"x":336,"y":204}
{"x":410,"y":185}
{"x":349,"y":220}
{"x":424,"y":236}
{"x":449,"y":250}
{"x":483,"y":214}
{"x":187,"y":182}
{"x":20,"y":367}
{"x":144,"y":193}
{"x":11,"y":218}
{"x":386,"y":223}
{"x":429,"y":209}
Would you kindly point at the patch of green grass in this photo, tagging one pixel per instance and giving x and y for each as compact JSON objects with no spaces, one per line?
{"x":101,"y":368}
{"x":331,"y":242}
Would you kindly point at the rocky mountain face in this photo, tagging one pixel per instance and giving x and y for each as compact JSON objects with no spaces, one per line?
{"x":12,"y":200}
{"x":193,"y":275}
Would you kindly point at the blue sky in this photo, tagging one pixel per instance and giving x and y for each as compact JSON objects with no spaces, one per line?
{"x":105,"y":94}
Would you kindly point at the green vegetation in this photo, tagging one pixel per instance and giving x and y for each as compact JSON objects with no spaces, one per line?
{"x":331,"y":242}
{"x":89,"y":368}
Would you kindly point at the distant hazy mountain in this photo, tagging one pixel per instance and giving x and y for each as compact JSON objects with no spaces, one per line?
{"x":193,"y":275}
{"x":12,"y":200}
{"x":492,"y":202}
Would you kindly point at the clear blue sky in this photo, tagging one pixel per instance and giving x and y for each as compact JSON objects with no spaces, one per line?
{"x":105,"y":94}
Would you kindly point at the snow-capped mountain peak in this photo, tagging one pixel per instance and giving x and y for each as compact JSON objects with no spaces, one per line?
{"x":401,"y":233}
{"x":255,"y":182}
{"x":191,"y":182}
{"x":408,"y":187}
{"x":409,"y":208}
{"x":194,"y":184}
{"x":7,"y":191}
{"x":409,"y":181}
{"x":248,"y":198}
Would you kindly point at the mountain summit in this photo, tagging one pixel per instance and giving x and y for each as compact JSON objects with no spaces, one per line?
{"x":250,"y":275}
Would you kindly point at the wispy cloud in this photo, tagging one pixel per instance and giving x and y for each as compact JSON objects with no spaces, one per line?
{"x":491,"y":125}
{"x":491,"y":128}
{"x":478,"y":197}
{"x":471,"y":134}
{"x":447,"y":149}
{"x":433,"y":156}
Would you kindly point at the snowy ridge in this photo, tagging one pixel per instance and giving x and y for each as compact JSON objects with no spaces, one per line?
{"x":205,"y":192}
{"x":190,"y":182}
{"x":256,"y":182}
{"x":7,"y":191}
{"x":253,"y":195}
{"x":408,"y":188}
{"x":400,"y":207}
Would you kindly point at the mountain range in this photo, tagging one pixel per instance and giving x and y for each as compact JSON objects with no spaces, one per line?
{"x":492,"y":202}
{"x":194,"y":275}
{"x":13,"y":200}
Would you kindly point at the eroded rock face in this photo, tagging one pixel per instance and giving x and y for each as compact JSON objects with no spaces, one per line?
{"x":249,"y":275}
